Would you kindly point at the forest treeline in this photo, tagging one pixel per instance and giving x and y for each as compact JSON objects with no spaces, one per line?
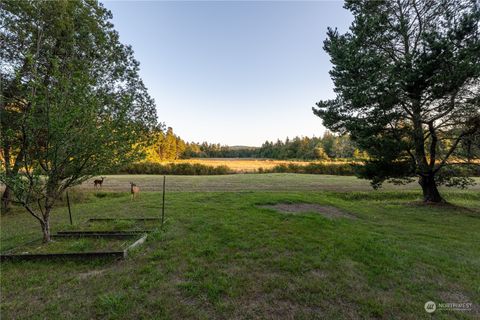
{"x":167,"y":146}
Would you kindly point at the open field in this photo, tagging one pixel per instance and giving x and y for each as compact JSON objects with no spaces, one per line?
{"x":245,"y":165}
{"x":250,"y":182}
{"x":250,"y":165}
{"x":222,"y":255}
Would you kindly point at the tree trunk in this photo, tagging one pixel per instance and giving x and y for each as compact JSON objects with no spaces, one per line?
{"x":6,"y":197}
{"x":430,"y":190}
{"x":46,"y":229}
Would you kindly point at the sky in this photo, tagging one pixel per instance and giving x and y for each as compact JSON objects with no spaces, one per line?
{"x":235,"y":73}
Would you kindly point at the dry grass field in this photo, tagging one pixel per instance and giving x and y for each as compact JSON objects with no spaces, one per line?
{"x":245,"y":165}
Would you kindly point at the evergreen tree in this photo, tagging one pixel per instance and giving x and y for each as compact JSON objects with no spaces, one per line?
{"x":170,"y":145}
{"x":407,"y":80}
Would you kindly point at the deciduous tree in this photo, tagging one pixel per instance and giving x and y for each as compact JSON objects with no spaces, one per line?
{"x":73,"y":89}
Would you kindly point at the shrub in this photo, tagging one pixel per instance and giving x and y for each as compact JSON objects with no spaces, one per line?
{"x":76,"y":195}
{"x":331,"y":168}
{"x":348,"y":169}
{"x":315,"y":168}
{"x":174,"y":169}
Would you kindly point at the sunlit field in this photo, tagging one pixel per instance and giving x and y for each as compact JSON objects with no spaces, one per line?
{"x":242,"y":165}
{"x":249,"y":165}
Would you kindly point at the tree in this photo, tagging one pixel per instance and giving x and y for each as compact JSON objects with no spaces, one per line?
{"x":154,"y":152}
{"x":171,"y":144}
{"x":320,"y":153}
{"x":180,"y":148}
{"x":359,"y":155}
{"x":75,"y":93}
{"x":328,"y":141}
{"x":342,"y":147}
{"x":408,"y":90}
{"x":164,"y":146}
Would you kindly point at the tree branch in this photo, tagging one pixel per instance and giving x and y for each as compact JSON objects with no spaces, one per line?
{"x":32,"y":213}
{"x":454,"y":147}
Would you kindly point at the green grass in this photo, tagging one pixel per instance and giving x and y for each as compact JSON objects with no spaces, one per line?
{"x":286,"y":182}
{"x":116,"y":225}
{"x":73,"y":245}
{"x":221,"y":256}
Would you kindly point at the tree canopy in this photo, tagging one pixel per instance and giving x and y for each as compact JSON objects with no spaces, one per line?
{"x":407,"y":79}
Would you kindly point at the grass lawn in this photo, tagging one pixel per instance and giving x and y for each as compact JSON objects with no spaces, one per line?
{"x":115,"y":225}
{"x":75,"y":245}
{"x":222,"y":256}
{"x":247,"y":182}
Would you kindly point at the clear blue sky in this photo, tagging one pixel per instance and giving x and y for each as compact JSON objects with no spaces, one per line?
{"x":235,"y":73}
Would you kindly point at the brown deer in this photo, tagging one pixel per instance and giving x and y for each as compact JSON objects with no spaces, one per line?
{"x":98,"y":182}
{"x":134,"y":190}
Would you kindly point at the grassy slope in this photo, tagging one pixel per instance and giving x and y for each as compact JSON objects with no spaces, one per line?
{"x":221,"y":257}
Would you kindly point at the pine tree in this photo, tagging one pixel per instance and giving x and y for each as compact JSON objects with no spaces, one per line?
{"x":407,"y":77}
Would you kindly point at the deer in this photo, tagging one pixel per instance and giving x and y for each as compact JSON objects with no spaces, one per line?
{"x":98,"y":182}
{"x":134,"y":190}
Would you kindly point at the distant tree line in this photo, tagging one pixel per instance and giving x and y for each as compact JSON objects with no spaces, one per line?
{"x":167,"y":146}
{"x":329,"y":146}
{"x":216,"y":150}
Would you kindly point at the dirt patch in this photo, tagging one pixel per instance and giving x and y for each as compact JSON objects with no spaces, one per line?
{"x":294,"y":208}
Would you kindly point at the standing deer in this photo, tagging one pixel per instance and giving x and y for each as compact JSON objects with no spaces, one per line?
{"x":98,"y":182}
{"x":134,"y":190}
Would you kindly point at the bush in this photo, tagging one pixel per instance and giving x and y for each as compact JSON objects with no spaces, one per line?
{"x":343,"y":169}
{"x":192,"y":169}
{"x":349,"y":169}
{"x":331,"y":168}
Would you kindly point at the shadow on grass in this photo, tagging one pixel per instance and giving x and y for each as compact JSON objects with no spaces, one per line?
{"x":444,"y":206}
